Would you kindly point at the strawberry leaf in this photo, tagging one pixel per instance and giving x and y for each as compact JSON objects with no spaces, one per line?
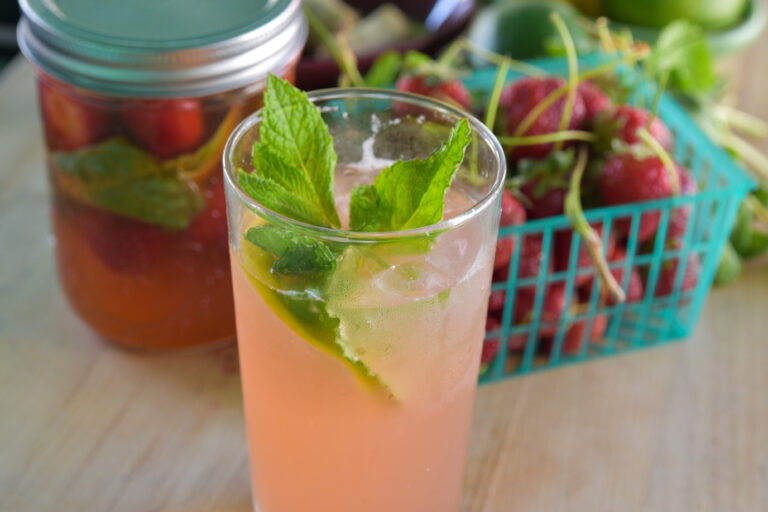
{"x":384,"y":70}
{"x":682,"y":51}
{"x":551,"y":172}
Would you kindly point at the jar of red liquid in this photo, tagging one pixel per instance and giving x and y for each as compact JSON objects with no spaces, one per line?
{"x":137,"y":100}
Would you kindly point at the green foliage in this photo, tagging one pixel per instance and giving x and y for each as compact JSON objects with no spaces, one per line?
{"x":682,"y":52}
{"x":410,"y":194}
{"x":294,"y":253}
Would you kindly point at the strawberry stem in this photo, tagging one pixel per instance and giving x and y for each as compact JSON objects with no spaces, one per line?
{"x":663,"y":79}
{"x":573,"y":72}
{"x":493,"y":102}
{"x":745,"y":123}
{"x":450,"y":53}
{"x":664,"y":156}
{"x":747,"y":152}
{"x":592,"y":241}
{"x":604,"y":34}
{"x":548,"y":137}
{"x":340,"y":50}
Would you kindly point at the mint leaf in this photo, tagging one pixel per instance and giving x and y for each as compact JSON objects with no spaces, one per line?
{"x":123,"y":179}
{"x":293,"y":133}
{"x":277,"y":198}
{"x":294,"y":253}
{"x":305,"y":312}
{"x":321,"y":329}
{"x":108,"y":163}
{"x":410,"y":194}
{"x":161,"y":200}
{"x":363,"y":212}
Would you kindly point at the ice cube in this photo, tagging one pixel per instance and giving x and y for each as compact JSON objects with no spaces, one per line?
{"x":456,"y":252}
{"x":416,"y":279}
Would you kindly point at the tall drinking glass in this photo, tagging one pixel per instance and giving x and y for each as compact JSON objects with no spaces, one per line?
{"x":358,"y":383}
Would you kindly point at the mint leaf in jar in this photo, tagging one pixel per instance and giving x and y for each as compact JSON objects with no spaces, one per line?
{"x":123,"y":179}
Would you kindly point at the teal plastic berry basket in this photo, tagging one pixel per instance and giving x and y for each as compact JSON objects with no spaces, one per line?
{"x":666,"y":312}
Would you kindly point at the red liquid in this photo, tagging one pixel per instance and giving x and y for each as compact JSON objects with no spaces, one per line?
{"x":139,"y":284}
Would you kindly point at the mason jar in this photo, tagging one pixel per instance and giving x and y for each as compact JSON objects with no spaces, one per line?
{"x":137,"y":103}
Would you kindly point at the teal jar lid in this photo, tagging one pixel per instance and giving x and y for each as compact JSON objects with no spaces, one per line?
{"x":161,"y":48}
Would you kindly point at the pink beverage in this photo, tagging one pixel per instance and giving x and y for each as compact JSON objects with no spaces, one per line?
{"x":377,"y":418}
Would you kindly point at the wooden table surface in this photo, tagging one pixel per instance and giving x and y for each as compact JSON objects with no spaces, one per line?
{"x":86,"y":427}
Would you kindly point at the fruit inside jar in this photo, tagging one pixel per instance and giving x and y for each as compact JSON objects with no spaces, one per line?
{"x":138,"y":212}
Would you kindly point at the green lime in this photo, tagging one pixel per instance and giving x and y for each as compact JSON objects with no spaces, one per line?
{"x":710,"y":14}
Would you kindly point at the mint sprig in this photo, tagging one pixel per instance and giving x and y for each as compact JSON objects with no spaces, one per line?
{"x":295,"y":156}
{"x":410,"y":194}
{"x":277,"y":198}
{"x":294,"y":165}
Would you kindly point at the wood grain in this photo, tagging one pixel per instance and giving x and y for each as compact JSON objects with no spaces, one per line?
{"x":86,"y":427}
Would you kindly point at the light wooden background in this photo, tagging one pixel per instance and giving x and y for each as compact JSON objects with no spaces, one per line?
{"x":85,"y":427}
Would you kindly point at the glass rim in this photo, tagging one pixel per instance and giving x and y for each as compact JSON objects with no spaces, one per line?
{"x":477,"y":126}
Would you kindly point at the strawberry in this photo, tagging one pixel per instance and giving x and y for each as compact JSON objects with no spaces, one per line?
{"x":517,"y":341}
{"x":512,"y":213}
{"x":552,"y":308}
{"x":634,"y":289}
{"x":531,"y":256}
{"x":70,"y":121}
{"x":678,"y":219}
{"x":546,"y":203}
{"x":496,"y":301}
{"x":209,"y":227}
{"x":450,"y":91}
{"x":165,"y":128}
{"x":529,"y":261}
{"x":595,"y":100}
{"x":563,"y":241}
{"x":503,"y":253}
{"x":520,"y":97}
{"x":668,"y":272}
{"x":574,"y":336}
{"x":545,"y":182}
{"x":125,"y":245}
{"x":625,"y":179}
{"x":490,"y":346}
{"x":629,"y":119}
